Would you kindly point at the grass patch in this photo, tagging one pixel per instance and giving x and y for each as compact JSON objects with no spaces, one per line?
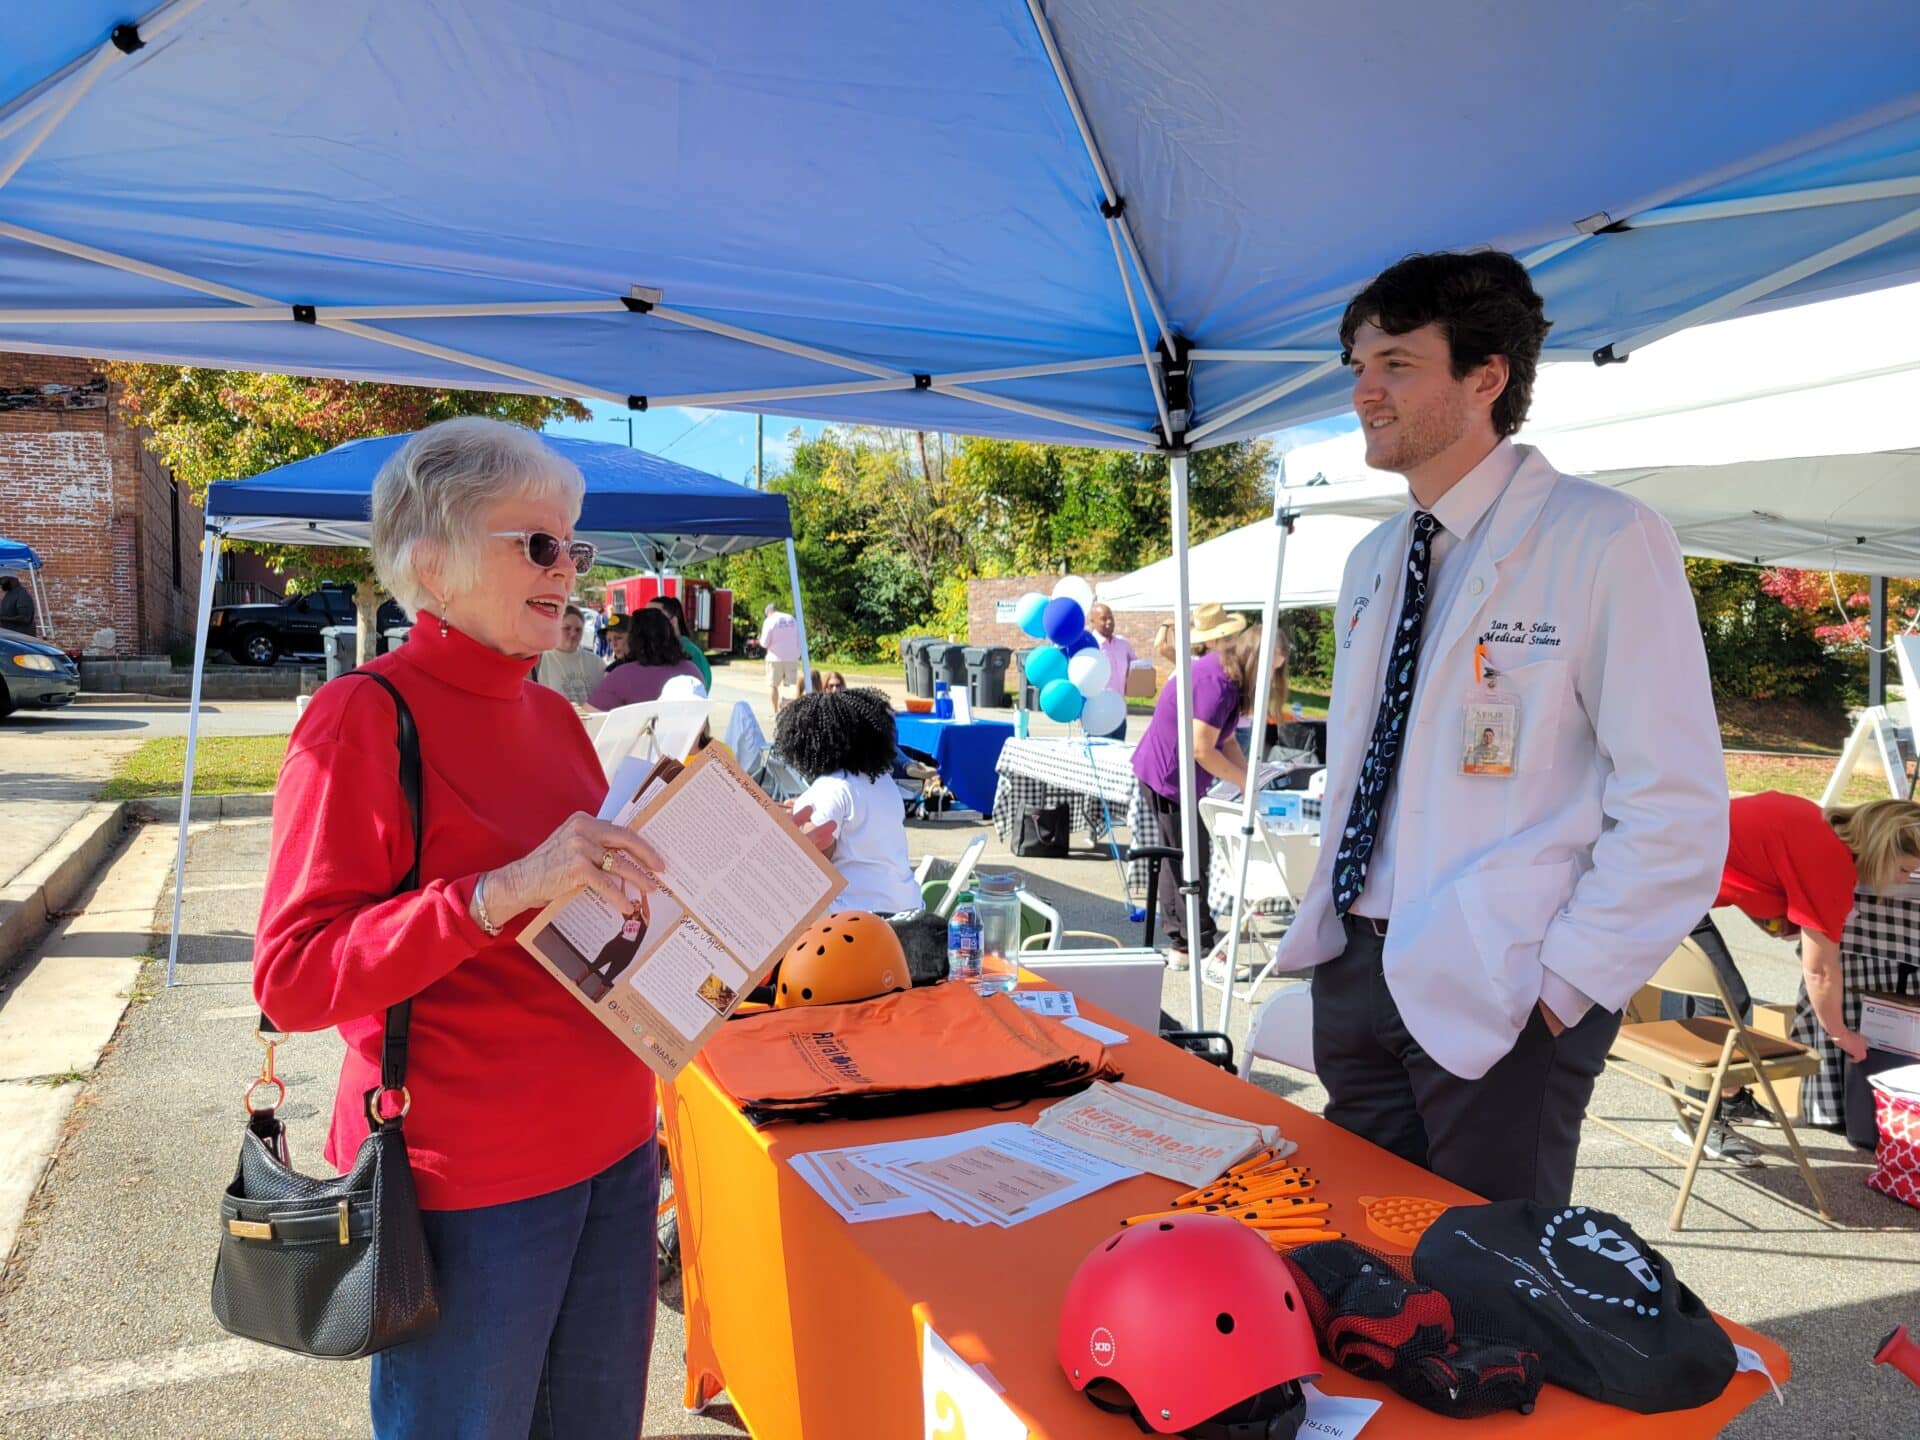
{"x":1803,"y":775}
{"x":225,"y":765}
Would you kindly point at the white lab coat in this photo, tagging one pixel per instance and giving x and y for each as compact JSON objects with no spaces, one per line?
{"x":1578,"y":874}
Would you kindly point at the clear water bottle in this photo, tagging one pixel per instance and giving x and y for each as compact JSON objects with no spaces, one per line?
{"x":963,"y":941}
{"x":998,"y":906}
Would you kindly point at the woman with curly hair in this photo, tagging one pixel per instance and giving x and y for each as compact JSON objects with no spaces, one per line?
{"x":843,"y":744}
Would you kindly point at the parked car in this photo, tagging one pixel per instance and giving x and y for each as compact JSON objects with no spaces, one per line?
{"x":261,"y":634}
{"x":34,"y":674}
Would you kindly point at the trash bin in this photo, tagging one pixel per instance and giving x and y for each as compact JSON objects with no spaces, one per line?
{"x":949,"y":663}
{"x":394,"y":637}
{"x":1029,"y":692}
{"x":913,"y":661}
{"x":987,"y":675}
{"x":341,"y":646}
{"x":920,"y":677}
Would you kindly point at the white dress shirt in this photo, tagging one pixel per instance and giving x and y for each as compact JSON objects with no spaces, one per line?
{"x":1459,"y":512}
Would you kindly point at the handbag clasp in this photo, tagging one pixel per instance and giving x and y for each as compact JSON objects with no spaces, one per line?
{"x":250,"y":1229}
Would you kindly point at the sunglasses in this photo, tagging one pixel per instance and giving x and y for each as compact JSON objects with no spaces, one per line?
{"x":545,"y":550}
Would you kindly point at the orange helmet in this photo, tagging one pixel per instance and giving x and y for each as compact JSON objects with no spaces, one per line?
{"x":849,"y":956}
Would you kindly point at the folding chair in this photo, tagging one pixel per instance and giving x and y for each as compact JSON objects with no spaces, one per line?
{"x":942,"y":895}
{"x":1278,"y":868}
{"x":1282,"y":1030}
{"x":1040,"y":927}
{"x":1708,"y":1055}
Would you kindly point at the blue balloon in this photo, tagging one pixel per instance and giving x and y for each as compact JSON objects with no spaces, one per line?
{"x":1029,"y":613}
{"x":1046,"y":665}
{"x":1060,"y":701}
{"x":1083,"y":641}
{"x":1064,"y":619}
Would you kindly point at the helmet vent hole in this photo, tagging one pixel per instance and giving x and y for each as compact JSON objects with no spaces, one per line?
{"x":807,"y":993}
{"x":847,"y":938}
{"x":1289,"y":1298}
{"x":783,"y":987}
{"x":1223,"y":1322}
{"x":821,"y":951}
{"x":1116,"y":1240}
{"x":1166,"y":1225}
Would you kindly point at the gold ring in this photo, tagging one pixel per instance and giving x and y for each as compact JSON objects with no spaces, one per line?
{"x":607,"y":859}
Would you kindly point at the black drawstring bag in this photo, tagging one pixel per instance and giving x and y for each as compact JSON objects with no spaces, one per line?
{"x":335,"y":1268}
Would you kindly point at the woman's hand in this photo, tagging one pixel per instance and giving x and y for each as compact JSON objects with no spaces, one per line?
{"x":1852,"y":1044}
{"x":572,"y":858}
{"x":821,"y":836}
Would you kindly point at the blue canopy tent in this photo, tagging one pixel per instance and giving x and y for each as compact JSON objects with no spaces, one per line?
{"x":1113,"y":222}
{"x":17,"y":555}
{"x":640,"y":509}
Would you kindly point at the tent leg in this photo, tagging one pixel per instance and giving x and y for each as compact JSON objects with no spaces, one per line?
{"x":209,"y":568}
{"x":1193,"y":884}
{"x":1262,"y":698}
{"x":800,"y":619}
{"x":1877,"y":645}
{"x":42,"y":616}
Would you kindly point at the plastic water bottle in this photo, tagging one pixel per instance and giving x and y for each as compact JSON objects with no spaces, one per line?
{"x":998,"y":907}
{"x":942,"y":701}
{"x":963,"y":941}
{"x":1020,"y":726}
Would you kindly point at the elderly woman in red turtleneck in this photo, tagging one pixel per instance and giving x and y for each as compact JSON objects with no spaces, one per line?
{"x":531,"y":1127}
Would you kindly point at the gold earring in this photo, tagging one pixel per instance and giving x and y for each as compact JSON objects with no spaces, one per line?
{"x":443,"y":619}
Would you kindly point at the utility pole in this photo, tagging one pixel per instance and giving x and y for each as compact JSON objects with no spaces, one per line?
{"x":759,"y":452}
{"x":616,"y":419}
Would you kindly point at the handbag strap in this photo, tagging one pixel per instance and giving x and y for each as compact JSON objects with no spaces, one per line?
{"x":393,"y":1046}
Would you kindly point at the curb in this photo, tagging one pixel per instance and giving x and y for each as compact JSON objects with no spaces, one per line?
{"x":54,"y":881}
{"x":165,"y":809}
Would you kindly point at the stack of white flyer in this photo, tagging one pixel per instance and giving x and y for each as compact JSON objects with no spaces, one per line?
{"x":997,"y":1175}
{"x":1130,"y":1125}
{"x":1060,"y":1005}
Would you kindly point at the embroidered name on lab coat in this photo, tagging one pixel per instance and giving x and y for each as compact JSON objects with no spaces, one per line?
{"x":1521,"y":632}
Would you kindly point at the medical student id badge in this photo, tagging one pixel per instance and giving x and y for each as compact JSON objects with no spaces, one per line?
{"x":1492,"y":725}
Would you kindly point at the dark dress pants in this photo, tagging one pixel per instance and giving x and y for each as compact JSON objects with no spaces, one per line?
{"x":1513,"y":1134}
{"x":1171,"y":905}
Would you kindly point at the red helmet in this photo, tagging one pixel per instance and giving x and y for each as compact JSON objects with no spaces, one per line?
{"x":1189,"y":1319}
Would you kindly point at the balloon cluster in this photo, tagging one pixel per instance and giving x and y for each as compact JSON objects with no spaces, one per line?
{"x":1073,"y":672}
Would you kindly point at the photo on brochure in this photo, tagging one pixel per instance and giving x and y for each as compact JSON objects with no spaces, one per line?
{"x":663,"y":969}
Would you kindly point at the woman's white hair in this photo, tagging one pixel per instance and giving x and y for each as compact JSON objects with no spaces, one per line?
{"x":431,"y":496}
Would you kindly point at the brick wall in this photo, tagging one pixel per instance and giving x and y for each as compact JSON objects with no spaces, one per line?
{"x":78,"y":486}
{"x":985,"y":628}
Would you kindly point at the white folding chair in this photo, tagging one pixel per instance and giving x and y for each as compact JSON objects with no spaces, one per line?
{"x":923,"y":870}
{"x":1049,"y":933}
{"x":962,"y":873}
{"x":1267,"y":876}
{"x":1282,"y":1030}
{"x":745,"y":738}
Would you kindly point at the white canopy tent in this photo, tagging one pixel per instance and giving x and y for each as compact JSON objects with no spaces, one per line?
{"x":1232,"y":570}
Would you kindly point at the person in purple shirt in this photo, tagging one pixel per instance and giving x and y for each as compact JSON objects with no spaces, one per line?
{"x":1120,"y":657}
{"x":1223,"y":686}
{"x":655,"y":657}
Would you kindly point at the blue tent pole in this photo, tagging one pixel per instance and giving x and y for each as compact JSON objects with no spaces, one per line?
{"x":209,"y":568}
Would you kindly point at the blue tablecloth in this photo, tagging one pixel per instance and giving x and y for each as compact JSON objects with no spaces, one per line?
{"x":964,"y":754}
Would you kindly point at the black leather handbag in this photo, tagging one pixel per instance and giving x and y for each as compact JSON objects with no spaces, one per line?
{"x":335,"y":1268}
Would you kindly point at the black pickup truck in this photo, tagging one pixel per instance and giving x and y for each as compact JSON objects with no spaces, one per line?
{"x":261,"y":634}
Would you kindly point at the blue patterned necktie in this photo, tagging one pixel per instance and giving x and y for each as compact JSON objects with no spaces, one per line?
{"x":1389,"y":723}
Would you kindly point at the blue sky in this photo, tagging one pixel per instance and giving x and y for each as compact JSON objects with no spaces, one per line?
{"x":717,"y":441}
{"x":721,"y":441}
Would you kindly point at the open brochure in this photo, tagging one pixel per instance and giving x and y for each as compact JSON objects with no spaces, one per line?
{"x":1149,"y":1131}
{"x":741,"y":883}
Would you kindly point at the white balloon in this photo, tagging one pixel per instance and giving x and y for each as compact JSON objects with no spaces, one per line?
{"x":1077,"y":590}
{"x":1103,"y":713}
{"x":1089,"y":671}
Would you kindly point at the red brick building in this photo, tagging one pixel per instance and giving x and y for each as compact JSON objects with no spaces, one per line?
{"x":990,"y":613}
{"x":119,"y":538}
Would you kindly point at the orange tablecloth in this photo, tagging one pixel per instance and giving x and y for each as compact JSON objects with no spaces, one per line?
{"x":812,"y":1325}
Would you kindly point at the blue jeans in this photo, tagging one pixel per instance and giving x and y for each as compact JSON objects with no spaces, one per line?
{"x":546,"y":1317}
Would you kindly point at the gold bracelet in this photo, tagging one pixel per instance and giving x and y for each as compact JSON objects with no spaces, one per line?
{"x":480,"y":906}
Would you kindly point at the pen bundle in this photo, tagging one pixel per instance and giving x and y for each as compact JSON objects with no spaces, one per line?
{"x":1265,"y":1194}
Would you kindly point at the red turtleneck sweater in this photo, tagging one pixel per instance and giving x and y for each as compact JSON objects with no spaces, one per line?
{"x":517,"y":1090}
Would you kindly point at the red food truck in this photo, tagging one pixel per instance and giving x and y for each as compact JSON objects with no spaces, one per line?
{"x":709,"y":608}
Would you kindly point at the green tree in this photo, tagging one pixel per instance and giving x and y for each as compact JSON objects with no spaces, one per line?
{"x":1760,"y":647}
{"x":209,"y":425}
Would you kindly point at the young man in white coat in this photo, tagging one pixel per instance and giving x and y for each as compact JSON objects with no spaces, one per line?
{"x":1484,"y":908}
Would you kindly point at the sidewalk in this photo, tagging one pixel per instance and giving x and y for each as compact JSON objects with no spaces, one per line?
{"x":46,"y":783}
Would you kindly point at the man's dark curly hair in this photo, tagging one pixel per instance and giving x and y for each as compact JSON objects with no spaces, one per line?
{"x":1483,"y":302}
{"x":848,"y":731}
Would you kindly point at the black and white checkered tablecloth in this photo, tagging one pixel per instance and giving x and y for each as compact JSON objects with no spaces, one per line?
{"x":1879,"y":950}
{"x":1036,"y":773}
